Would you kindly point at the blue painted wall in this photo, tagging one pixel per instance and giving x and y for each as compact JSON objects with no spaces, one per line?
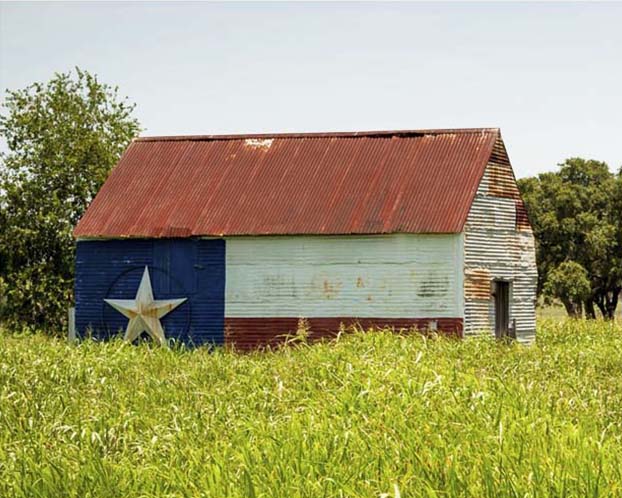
{"x":190,"y":268}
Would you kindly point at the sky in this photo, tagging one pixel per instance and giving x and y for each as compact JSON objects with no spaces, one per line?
{"x":548,"y":74}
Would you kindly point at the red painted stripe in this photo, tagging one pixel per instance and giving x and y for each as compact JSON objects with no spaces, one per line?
{"x":251,"y":333}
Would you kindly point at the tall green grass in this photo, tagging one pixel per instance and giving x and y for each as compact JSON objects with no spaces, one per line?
{"x":369,"y":414}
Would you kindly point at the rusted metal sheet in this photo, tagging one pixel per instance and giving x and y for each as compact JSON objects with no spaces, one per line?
{"x":501,"y":180}
{"x":391,"y":276}
{"x":340,"y":183}
{"x":499,"y":244}
{"x":251,"y":332}
{"x":477,"y":283}
{"x":522,"y":219}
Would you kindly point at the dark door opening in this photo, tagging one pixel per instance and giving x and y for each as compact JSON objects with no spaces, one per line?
{"x":502,"y":308}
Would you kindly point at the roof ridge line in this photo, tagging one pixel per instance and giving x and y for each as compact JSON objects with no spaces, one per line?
{"x":342,"y":134}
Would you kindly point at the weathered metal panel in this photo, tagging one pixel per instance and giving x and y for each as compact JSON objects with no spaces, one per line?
{"x":501,"y":180}
{"x":180,"y":268}
{"x":477,"y":283}
{"x":499,"y":244}
{"x":522,"y":219}
{"x":494,"y":212}
{"x":250,"y":333}
{"x":357,"y":183}
{"x":394,"y":276}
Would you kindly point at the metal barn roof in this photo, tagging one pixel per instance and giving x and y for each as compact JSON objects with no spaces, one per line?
{"x":314,"y":183}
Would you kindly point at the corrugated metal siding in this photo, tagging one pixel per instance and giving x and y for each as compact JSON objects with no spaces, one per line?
{"x":189,"y":268}
{"x":477,"y":283}
{"x":250,"y":333}
{"x":390,"y":276}
{"x":501,"y":181}
{"x":522,"y":219}
{"x":498,"y":243}
{"x":360,"y":183}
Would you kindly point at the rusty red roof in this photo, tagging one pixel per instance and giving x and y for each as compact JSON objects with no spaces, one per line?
{"x":309,"y":183}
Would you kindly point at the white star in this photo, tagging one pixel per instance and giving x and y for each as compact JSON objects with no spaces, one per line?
{"x":144,"y":312}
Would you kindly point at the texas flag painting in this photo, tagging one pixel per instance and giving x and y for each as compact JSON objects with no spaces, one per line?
{"x":238,"y":239}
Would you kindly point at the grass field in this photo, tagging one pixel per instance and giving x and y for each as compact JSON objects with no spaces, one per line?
{"x":369,"y":414}
{"x":557,"y":312}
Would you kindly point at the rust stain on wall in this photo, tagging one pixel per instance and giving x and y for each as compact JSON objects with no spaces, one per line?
{"x":502,"y":182}
{"x":501,"y":177}
{"x":522,"y":220}
{"x":331,"y":289}
{"x":477,"y":283}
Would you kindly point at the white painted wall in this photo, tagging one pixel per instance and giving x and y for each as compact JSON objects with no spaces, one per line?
{"x":382,"y":276}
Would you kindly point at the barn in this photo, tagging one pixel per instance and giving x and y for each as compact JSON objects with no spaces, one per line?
{"x":232,"y":239}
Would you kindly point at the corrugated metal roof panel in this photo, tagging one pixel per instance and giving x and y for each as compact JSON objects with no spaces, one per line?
{"x":333,"y":183}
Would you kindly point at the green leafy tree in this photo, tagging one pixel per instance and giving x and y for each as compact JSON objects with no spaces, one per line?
{"x":63,"y":138}
{"x":575,"y":214}
{"x":570,"y":283}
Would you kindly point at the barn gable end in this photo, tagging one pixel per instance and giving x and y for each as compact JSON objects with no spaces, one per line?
{"x":499,"y":246}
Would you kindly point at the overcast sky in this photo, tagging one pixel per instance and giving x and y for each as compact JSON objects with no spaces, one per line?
{"x":550,"y":75}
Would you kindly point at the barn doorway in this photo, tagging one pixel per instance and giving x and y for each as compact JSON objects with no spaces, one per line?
{"x":501,"y":294}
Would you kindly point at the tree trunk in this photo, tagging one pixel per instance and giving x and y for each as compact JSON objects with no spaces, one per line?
{"x":590,"y":312}
{"x":573,"y":310}
{"x":612,"y":303}
{"x":600,"y":302}
{"x":607,"y":302}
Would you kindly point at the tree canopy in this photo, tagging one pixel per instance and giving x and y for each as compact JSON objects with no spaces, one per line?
{"x":575,"y":213}
{"x":63,"y":138}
